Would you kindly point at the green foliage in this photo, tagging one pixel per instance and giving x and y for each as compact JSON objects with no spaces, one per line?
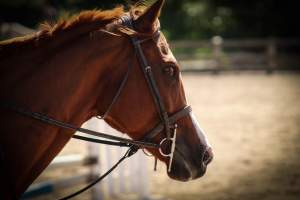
{"x":198,"y":19}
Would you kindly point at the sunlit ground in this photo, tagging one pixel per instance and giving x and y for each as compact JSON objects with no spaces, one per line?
{"x":253,"y":123}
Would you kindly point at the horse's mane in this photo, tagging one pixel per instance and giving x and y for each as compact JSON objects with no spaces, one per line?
{"x":86,"y":17}
{"x":70,"y":28}
{"x":81,"y":23}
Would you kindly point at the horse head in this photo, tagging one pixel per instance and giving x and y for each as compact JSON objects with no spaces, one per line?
{"x":192,"y":151}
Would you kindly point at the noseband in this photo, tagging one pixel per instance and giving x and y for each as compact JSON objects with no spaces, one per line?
{"x":167,"y":125}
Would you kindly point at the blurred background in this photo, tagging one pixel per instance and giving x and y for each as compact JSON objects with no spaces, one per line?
{"x":240,"y":63}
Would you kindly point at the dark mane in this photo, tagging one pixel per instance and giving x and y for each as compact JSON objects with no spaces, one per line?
{"x":79,"y":24}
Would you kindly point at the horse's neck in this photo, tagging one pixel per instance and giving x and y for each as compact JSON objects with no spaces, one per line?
{"x":66,"y":84}
{"x":66,"y":81}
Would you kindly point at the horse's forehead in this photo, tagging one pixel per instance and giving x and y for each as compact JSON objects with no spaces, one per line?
{"x":165,"y":49}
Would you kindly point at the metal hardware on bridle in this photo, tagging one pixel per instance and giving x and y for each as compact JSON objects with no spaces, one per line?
{"x":173,"y":142}
{"x":167,"y":122}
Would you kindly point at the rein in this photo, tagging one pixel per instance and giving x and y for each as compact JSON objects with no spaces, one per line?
{"x":48,"y":120}
{"x":167,"y":122}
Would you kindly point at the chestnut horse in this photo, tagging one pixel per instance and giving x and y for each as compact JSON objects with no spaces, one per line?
{"x":71,"y":71}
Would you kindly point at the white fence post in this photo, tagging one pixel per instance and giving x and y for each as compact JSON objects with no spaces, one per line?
{"x":126,"y":179}
{"x":94,"y":153}
{"x":271,"y":51}
{"x":217,"y":43}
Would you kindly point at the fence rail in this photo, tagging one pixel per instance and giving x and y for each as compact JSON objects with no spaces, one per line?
{"x":235,"y":43}
{"x":238,"y":54}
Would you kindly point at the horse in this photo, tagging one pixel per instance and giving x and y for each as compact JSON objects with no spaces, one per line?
{"x":72,"y":71}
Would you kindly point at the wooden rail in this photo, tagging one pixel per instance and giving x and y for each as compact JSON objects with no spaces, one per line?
{"x":238,"y":54}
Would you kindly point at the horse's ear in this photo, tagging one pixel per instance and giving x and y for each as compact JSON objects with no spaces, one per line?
{"x":146,"y":21}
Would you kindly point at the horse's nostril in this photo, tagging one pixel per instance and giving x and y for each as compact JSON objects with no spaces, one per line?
{"x":208,"y":156}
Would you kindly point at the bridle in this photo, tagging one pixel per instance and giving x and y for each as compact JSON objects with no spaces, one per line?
{"x":167,"y":122}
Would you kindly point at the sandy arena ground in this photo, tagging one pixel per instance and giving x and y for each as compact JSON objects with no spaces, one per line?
{"x":253,"y":123}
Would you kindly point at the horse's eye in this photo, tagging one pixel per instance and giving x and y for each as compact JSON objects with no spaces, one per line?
{"x":170,"y":70}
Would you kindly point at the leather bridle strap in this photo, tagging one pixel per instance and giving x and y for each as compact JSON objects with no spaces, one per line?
{"x":48,"y":120}
{"x":147,"y":71}
{"x":121,"y":87}
{"x":122,"y":142}
{"x":172,"y":119}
